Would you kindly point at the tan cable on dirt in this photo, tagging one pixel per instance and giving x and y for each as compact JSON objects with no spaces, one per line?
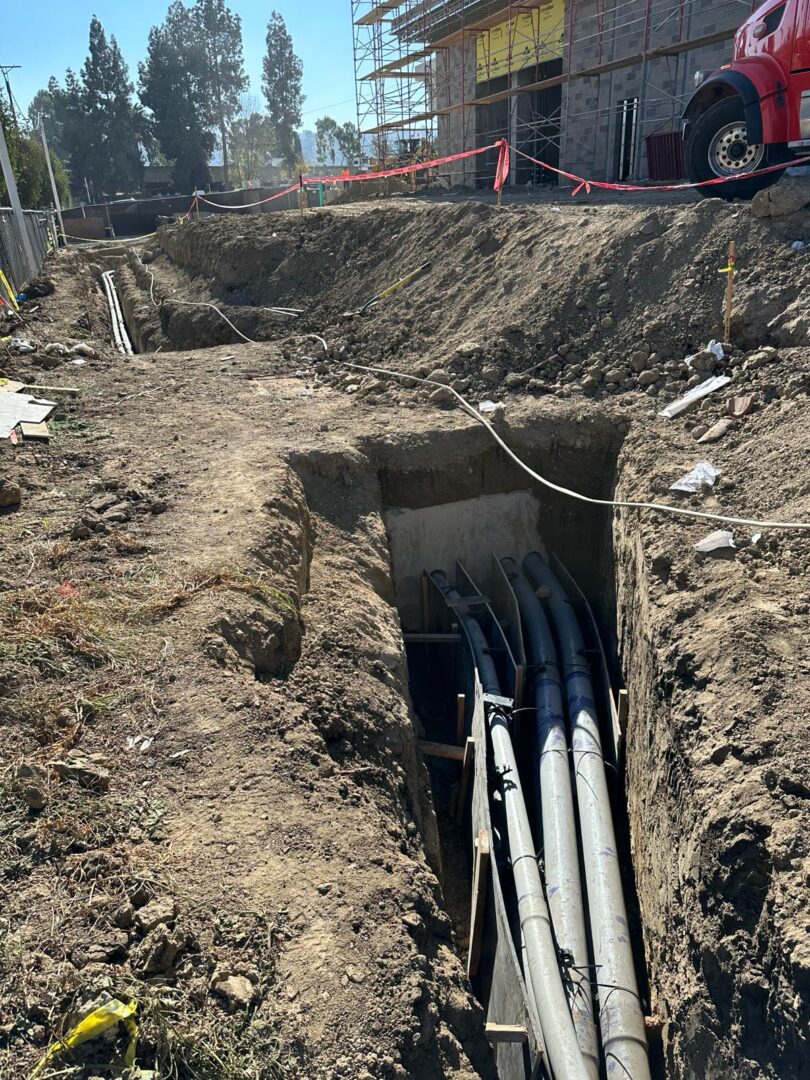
{"x":468,"y":408}
{"x":119,"y":240}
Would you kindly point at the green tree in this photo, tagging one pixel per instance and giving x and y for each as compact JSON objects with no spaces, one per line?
{"x":350,"y":143}
{"x":333,"y":139}
{"x":111,"y":137}
{"x":46,"y":104}
{"x":223,"y":80}
{"x":30,"y":168}
{"x":326,"y":140}
{"x":172,"y":88}
{"x":281,"y":84}
{"x":252,"y":142}
{"x":92,"y":123}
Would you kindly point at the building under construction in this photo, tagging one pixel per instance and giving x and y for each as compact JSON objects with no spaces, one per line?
{"x":595,"y":87}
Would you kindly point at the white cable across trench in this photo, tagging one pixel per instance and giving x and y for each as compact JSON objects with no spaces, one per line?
{"x":625,"y":503}
{"x":292,"y":312}
{"x":468,"y":408}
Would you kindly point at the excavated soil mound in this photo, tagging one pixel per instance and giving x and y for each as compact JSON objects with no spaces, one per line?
{"x":602,"y":298}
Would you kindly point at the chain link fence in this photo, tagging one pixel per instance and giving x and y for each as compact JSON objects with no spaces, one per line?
{"x":13,"y":259}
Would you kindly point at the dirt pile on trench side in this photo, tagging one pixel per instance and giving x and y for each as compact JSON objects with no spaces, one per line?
{"x":600,"y":299}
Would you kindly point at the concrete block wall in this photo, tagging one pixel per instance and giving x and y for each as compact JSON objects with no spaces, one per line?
{"x":590,"y":105}
{"x":454,"y":82}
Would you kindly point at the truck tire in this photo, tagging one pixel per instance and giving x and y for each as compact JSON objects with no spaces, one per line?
{"x":718,"y":146}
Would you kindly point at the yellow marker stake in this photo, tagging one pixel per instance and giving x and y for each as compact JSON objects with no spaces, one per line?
{"x":729,"y":270}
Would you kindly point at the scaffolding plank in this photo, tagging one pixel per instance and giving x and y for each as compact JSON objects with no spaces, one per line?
{"x":400,"y":62}
{"x":397,"y":75}
{"x":504,"y":12}
{"x":378,"y":12}
{"x":396,"y":125}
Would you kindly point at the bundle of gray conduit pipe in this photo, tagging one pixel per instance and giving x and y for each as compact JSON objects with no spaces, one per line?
{"x":558,"y":825}
{"x":542,"y":972}
{"x":621,"y":1021}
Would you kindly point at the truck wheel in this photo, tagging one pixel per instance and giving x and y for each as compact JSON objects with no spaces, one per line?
{"x":718,"y":146}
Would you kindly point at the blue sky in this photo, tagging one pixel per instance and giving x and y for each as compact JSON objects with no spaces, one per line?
{"x":57,"y":39}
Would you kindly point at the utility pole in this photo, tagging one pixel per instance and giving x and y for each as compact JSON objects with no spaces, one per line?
{"x":6,"y":68}
{"x":56,"y":201}
{"x":18,"y":217}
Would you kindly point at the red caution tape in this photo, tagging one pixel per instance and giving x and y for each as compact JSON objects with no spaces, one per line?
{"x":247,"y":206}
{"x":581,"y":182}
{"x":402,"y":169}
{"x":502,"y":168}
{"x":502,"y":171}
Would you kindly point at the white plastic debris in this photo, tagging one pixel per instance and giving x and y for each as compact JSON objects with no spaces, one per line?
{"x":703,"y":473}
{"x":681,"y":404}
{"x":141,"y":743}
{"x":714,"y":347}
{"x":756,"y":537}
{"x":56,"y":348}
{"x":489,"y":406}
{"x":22,"y":345}
{"x":716,"y":541}
{"x":83,"y":349}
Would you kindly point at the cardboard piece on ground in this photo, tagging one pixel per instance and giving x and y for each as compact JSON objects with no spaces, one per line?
{"x":35,"y":431}
{"x":16,"y":408}
{"x":9,"y":386}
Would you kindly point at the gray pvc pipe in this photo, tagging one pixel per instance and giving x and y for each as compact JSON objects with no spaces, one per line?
{"x":542,"y":970}
{"x":560,"y":847}
{"x":113,"y":318}
{"x":621,"y":1022}
{"x":122,"y":326}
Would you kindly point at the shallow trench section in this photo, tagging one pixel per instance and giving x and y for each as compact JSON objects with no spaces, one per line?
{"x":460,"y":513}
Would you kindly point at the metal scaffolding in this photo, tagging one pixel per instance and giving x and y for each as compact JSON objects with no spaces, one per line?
{"x":393,"y":80}
{"x":542,"y":73}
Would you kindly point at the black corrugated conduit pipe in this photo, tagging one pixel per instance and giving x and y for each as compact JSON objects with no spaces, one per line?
{"x":542,"y":972}
{"x":560,"y":846}
{"x":621,"y":1022}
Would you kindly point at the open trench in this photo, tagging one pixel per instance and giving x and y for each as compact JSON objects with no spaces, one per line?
{"x":445,"y":498}
{"x":452,"y":498}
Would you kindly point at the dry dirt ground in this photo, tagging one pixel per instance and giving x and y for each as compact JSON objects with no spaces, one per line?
{"x":212,"y":798}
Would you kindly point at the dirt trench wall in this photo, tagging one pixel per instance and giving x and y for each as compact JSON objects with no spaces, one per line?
{"x":717,"y":861}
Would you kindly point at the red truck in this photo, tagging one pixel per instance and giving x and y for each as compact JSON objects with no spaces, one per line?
{"x":755,"y":111}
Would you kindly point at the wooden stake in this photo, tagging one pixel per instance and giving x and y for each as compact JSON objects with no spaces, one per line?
{"x":460,"y":705}
{"x":466,"y":771}
{"x":479,"y":900}
{"x":425,"y":604}
{"x":729,"y":271}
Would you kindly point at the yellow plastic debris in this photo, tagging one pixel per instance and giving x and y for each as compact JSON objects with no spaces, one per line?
{"x":102,"y":1018}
